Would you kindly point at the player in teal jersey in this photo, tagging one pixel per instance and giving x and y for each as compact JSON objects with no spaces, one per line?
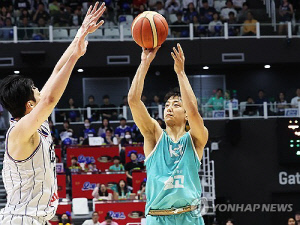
{"x":172,"y":155}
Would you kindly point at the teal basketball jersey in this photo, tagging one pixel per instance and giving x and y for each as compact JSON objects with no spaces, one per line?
{"x":172,"y":174}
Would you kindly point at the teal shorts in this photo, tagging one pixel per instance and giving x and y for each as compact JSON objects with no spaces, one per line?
{"x":180,"y":219}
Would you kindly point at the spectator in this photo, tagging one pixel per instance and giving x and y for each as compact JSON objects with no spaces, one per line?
{"x":226,"y":10}
{"x":177,"y":31}
{"x":215,"y":27}
{"x":186,"y":3}
{"x":161,"y":123}
{"x":142,"y":192}
{"x":61,"y":18}
{"x":156,"y":102}
{"x":141,"y":9}
{"x":105,"y":125}
{"x":4,"y":14}
{"x":238,"y":4}
{"x":295,"y":101}
{"x":94,"y":220}
{"x":172,"y":6}
{"x":54,"y":133}
{"x":122,"y":191}
{"x":108,"y":221}
{"x":108,"y":113}
{"x":250,"y":110}
{"x":242,"y":15}
{"x":57,"y":160}
{"x":75,"y":167}
{"x":200,"y":30}
{"x":127,"y":139}
{"x":134,"y":164}
{"x":66,"y":132}
{"x":136,"y":134}
{"x":190,"y":13}
{"x":137,"y":3}
{"x":54,"y":7}
{"x":230,"y":222}
{"x":100,"y":193}
{"x":43,"y":32}
{"x":206,"y":12}
{"x":35,"y":4}
{"x":281,"y":104}
{"x":286,"y":12}
{"x":160,"y":9}
{"x":297,"y":217}
{"x":291,"y":221}
{"x":76,"y":18}
{"x":74,"y":4}
{"x":86,"y":132}
{"x":108,"y":138}
{"x":249,"y":26}
{"x":72,"y":115}
{"x":7,"y":32}
{"x":121,"y":130}
{"x":93,"y":105}
{"x":41,"y":13}
{"x":64,"y":220}
{"x":260,"y":101}
{"x":91,"y":167}
{"x":26,"y":14}
{"x":21,"y":4}
{"x":233,"y":29}
{"x":117,"y":164}
{"x":217,"y":102}
{"x":124,"y":7}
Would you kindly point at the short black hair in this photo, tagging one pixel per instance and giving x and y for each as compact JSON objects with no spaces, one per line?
{"x":231,"y":13}
{"x":74,"y":157}
{"x":117,"y":157}
{"x":220,"y":89}
{"x":91,"y":96}
{"x":105,"y":97}
{"x":15,"y":92}
{"x":67,"y":121}
{"x":204,"y":1}
{"x":123,"y":119}
{"x":108,"y":217}
{"x":108,"y":129}
{"x":173,"y":94}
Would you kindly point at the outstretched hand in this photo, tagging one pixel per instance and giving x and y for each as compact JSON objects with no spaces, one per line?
{"x":148,"y":55}
{"x":89,"y":25}
{"x":179,"y":59}
{"x":92,"y":16}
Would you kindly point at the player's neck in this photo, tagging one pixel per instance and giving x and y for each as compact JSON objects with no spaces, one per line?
{"x":175,"y":132}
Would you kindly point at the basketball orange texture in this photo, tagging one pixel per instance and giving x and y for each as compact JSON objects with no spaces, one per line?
{"x":149,"y":29}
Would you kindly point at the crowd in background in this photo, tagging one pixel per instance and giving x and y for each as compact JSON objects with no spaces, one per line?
{"x":206,"y":16}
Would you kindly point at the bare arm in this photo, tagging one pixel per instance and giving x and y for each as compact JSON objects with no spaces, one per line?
{"x":198,"y":131}
{"x":62,"y":61}
{"x":149,"y":127}
{"x":25,"y":131}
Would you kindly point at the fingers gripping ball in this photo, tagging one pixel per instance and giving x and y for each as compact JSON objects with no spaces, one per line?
{"x":149,"y":29}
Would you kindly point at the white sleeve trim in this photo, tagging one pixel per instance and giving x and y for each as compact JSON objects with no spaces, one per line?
{"x":154,"y":149}
{"x":194,"y":148}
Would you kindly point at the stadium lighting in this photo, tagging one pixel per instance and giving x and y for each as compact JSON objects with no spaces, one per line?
{"x":205,"y":67}
{"x":80,"y":70}
{"x":16,"y":72}
{"x":267,"y":66}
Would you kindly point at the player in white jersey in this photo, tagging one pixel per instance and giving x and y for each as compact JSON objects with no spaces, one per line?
{"x":28,"y":173}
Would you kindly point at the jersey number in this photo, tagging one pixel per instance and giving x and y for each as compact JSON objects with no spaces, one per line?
{"x":174,"y":182}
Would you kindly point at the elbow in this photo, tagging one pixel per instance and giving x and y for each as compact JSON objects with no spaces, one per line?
{"x":132,"y":100}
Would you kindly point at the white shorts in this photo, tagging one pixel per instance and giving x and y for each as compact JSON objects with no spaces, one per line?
{"x":21,"y":220}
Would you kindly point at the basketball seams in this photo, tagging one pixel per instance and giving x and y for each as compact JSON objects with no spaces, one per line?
{"x":153,"y":28}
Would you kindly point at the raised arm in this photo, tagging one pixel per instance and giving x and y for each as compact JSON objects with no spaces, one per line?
{"x":149,"y":127}
{"x":198,"y":131}
{"x":92,"y":13}
{"x":25,"y":131}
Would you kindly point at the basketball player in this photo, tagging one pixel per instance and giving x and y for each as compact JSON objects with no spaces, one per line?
{"x":172,"y":155}
{"x":28,"y":173}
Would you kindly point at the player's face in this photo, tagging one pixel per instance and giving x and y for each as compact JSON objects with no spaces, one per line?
{"x":174,"y":112}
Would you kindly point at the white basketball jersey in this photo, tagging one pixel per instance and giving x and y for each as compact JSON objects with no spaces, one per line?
{"x":31,"y":184}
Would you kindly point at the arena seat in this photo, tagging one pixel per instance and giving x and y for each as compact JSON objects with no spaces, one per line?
{"x":80,"y":206}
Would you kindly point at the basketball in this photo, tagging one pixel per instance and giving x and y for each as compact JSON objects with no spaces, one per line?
{"x":149,"y":29}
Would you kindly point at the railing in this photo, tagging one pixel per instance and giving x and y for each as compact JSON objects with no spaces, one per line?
{"x":123,"y":32}
{"x":228,"y":110}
